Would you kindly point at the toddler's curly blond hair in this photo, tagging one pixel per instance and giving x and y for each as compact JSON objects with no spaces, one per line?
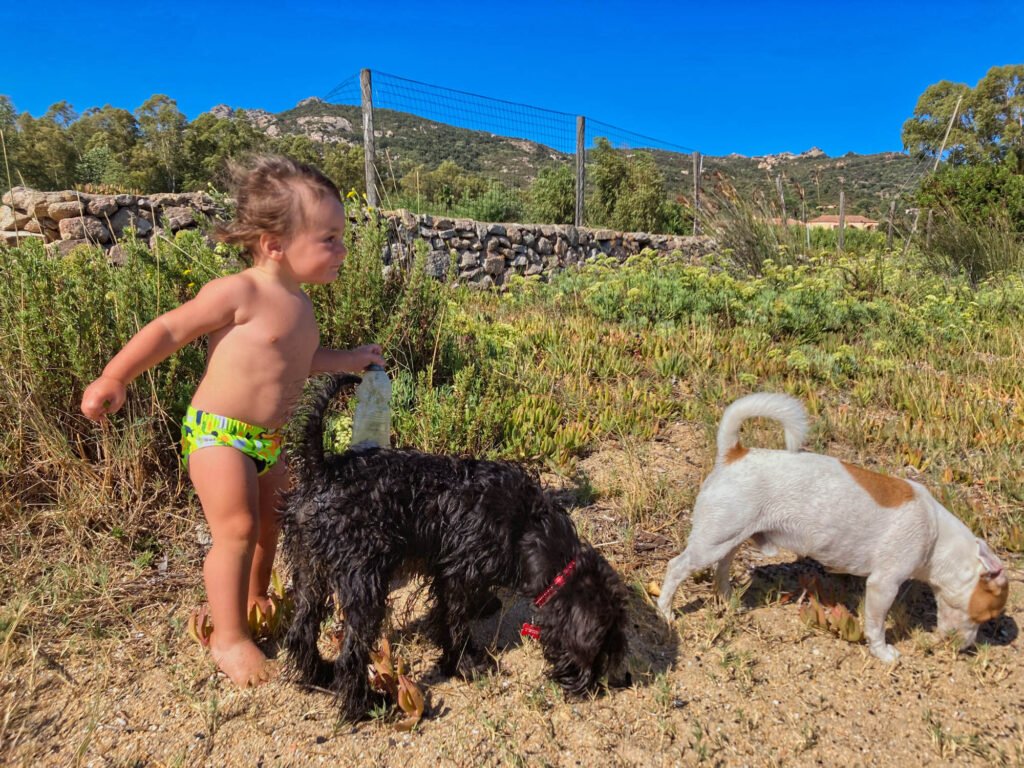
{"x":269,"y":193}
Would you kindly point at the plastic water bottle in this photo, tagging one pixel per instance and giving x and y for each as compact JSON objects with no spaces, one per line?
{"x":371,"y":425}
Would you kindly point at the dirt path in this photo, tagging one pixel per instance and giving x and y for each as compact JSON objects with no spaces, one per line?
{"x":743,"y":685}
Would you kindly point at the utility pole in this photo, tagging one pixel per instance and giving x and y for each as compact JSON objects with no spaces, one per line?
{"x":945,"y":138}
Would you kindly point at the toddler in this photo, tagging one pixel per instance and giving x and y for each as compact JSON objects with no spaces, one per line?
{"x":263,"y":344}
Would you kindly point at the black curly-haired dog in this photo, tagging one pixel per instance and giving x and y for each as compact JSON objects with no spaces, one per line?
{"x":355,"y":519}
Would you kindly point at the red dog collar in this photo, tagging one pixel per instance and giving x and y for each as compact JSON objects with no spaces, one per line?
{"x":532,"y":630}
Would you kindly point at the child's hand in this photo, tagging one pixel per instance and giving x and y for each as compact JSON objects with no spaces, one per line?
{"x":103,"y":396}
{"x":351,"y":360}
{"x":365,"y":356}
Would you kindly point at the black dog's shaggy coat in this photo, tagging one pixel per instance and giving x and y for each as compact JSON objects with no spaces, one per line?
{"x":355,"y":519}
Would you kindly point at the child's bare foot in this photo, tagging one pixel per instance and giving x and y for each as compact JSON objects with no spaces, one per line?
{"x":243,"y":662}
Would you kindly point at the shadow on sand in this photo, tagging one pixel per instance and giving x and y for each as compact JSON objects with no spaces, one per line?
{"x":915,"y":603}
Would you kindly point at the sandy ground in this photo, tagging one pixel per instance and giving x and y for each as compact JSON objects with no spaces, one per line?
{"x":741,"y":685}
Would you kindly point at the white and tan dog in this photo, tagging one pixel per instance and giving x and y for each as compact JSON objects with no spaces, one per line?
{"x":849,"y":519}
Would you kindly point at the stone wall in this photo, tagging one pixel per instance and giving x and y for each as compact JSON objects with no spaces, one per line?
{"x":483,"y":254}
{"x":64,"y":220}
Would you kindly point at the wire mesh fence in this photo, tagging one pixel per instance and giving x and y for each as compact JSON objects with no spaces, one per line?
{"x":443,"y":151}
{"x":440,"y":150}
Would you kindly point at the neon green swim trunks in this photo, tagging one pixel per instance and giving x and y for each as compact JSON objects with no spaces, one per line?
{"x":202,"y":429}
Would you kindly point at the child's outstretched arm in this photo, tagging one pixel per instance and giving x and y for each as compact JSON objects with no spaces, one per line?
{"x":213,"y":307}
{"x":347,"y":360}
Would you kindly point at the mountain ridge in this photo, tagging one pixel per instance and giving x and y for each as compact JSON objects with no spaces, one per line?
{"x":811,"y":179}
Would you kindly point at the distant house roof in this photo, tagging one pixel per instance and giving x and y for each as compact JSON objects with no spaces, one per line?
{"x":829,"y":218}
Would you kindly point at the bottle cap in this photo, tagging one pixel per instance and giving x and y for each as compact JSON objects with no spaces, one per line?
{"x":374,"y":367}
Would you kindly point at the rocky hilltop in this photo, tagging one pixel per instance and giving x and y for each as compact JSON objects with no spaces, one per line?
{"x":409,"y":140}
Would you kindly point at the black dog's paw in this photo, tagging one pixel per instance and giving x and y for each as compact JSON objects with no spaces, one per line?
{"x":361,"y":705}
{"x":469,"y":664}
{"x":316,"y":673}
{"x":470,"y":668}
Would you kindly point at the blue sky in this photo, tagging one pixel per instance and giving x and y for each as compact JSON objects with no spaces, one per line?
{"x":747,"y":77}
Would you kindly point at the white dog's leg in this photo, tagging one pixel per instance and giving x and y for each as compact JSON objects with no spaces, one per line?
{"x":679,"y":568}
{"x":722,"y":584}
{"x":878,"y":597}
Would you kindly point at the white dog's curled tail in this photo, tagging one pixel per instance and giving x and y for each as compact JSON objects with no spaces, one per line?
{"x":787,"y":410}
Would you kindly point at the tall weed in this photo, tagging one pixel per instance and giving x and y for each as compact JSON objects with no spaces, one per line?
{"x":750,"y":234}
{"x":957,"y":244}
{"x":543,"y":372}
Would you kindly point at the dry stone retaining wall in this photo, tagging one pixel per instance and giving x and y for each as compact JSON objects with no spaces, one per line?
{"x":483,"y":254}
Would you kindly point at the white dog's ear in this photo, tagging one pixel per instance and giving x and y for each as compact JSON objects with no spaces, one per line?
{"x":989,"y":561}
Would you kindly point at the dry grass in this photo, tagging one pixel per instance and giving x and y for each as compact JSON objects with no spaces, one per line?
{"x":100,"y":563}
{"x":109,"y":676}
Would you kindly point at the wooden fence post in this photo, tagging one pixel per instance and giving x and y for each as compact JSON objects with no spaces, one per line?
{"x":888,"y":234}
{"x":369,"y":149}
{"x":912,"y":232}
{"x":698,"y":167}
{"x":581,"y":166}
{"x":842,"y":217}
{"x":782,"y":197}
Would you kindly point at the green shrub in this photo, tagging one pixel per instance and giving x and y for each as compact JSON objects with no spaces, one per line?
{"x":978,"y":192}
{"x":628,"y":190}
{"x":552,"y":196}
{"x":498,"y":203}
{"x":542,"y":372}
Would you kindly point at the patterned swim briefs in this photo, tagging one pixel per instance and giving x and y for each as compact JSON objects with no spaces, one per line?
{"x":202,"y":429}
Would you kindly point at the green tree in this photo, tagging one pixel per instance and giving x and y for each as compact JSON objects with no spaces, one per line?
{"x":104,"y":139}
{"x":629,"y":190}
{"x":301,"y":148}
{"x":8,"y":113}
{"x":999,"y":114}
{"x":157,"y":160}
{"x":497,"y":203}
{"x":107,"y":126}
{"x":209,"y":142}
{"x":344,"y":165}
{"x":341,"y":163}
{"x":9,"y":134}
{"x":640,"y":206}
{"x":445,"y":187}
{"x":44,"y":155}
{"x":989,"y":124}
{"x":979,"y":194}
{"x":552,"y":196}
{"x":608,"y":172}
{"x":677,"y":217}
{"x":923,"y":133}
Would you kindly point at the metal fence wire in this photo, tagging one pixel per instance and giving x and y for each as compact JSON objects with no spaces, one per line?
{"x":438,"y":150}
